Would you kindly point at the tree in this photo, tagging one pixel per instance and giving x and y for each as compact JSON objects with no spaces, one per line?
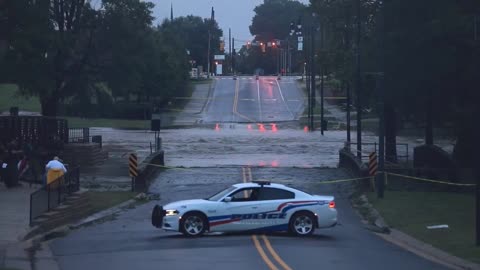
{"x":271,"y":22}
{"x":50,"y":48}
{"x":192,"y":32}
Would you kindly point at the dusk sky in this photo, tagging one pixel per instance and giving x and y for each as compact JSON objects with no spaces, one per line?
{"x":234,"y":14}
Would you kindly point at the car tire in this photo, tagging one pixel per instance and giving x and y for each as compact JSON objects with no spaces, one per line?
{"x":157,"y":216}
{"x":193,"y":224}
{"x":302,"y":224}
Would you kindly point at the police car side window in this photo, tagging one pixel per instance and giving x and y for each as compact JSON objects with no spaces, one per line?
{"x":245,"y":195}
{"x":275,"y":194}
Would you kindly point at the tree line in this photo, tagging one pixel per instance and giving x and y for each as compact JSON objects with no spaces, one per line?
{"x":98,"y":52}
{"x":427,"y":54}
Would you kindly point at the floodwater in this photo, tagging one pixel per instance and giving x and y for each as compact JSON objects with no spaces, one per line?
{"x":269,"y":145}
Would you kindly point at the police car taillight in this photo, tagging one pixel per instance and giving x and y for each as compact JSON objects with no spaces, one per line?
{"x":331,"y":204}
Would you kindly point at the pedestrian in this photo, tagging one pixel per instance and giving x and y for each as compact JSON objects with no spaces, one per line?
{"x":10,"y":174}
{"x":54,"y":170}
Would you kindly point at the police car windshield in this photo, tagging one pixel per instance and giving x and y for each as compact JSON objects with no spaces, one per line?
{"x":221,"y":194}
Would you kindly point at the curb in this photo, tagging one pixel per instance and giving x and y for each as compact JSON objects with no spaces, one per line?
{"x":427,"y":251}
{"x":35,"y":253}
{"x":102,"y":214}
{"x":377,"y":224}
{"x":210,"y":90}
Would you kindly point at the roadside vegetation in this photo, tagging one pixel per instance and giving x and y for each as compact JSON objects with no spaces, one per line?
{"x":107,"y":199}
{"x":412,"y":211}
{"x":105,"y":59}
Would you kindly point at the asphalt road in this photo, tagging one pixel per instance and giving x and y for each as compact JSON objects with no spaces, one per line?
{"x":130,"y":242}
{"x":247,"y":100}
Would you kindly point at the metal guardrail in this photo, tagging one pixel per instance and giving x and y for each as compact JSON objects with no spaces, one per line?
{"x":54,"y":194}
{"x":403,"y":150}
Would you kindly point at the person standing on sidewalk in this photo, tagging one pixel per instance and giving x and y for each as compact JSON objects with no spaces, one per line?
{"x":54,"y":170}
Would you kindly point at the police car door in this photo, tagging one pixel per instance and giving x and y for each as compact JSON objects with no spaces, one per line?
{"x":273,"y":201}
{"x":240,"y":213}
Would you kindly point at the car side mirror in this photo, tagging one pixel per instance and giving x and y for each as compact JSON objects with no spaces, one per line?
{"x":227,"y":199}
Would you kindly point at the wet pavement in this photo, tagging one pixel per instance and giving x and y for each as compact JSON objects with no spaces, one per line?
{"x":212,"y":156}
{"x":130,"y":241}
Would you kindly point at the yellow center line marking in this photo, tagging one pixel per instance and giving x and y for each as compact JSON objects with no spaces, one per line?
{"x":274,"y":254}
{"x":262,"y":253}
{"x":248,"y":174}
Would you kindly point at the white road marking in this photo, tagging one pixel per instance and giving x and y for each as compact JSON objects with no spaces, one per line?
{"x":259,"y":102}
{"x":283,"y":99}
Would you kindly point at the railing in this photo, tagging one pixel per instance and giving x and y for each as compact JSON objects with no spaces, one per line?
{"x":54,"y":194}
{"x":78,"y":135}
{"x":403,"y":150}
{"x":82,"y":135}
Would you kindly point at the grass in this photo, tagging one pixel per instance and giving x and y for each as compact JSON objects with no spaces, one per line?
{"x":104,"y":200}
{"x":9,"y":97}
{"x":411,"y":212}
{"x":76,"y":122}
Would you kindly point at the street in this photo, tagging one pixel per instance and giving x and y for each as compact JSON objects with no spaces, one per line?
{"x":130,"y":241}
{"x":247,"y":100}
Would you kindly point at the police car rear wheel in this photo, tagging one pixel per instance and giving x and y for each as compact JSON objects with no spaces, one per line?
{"x":193,"y":224}
{"x":302,"y":224}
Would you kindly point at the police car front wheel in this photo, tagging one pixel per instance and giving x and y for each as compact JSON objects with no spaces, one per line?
{"x":193,"y":224}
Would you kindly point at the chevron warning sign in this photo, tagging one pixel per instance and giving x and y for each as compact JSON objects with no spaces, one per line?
{"x":373,"y":164}
{"x":133,"y":165}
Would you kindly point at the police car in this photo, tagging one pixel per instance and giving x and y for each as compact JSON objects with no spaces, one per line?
{"x":249,"y":207}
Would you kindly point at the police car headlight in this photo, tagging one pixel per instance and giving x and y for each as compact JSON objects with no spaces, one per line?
{"x":171,"y":212}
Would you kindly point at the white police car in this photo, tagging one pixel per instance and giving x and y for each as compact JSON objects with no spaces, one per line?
{"x":249,"y":207}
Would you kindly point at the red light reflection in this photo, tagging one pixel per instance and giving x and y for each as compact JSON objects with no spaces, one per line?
{"x":261,"y":127}
{"x":305,"y":129}
{"x":274,"y":163}
{"x":217,"y":127}
{"x":274,"y":128}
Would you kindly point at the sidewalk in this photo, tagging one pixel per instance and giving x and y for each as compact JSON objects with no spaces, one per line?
{"x":191,"y":114}
{"x":14,"y":224}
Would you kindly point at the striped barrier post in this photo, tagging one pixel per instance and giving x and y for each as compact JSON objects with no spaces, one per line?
{"x":372,"y":167}
{"x":133,"y":168}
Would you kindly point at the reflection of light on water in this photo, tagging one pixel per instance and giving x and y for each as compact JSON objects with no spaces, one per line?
{"x":275,"y":163}
{"x":274,"y":128}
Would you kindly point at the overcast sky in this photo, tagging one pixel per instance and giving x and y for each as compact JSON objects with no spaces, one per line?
{"x":234,"y":14}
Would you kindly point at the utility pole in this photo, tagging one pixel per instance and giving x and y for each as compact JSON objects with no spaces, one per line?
{"x":234,"y":52}
{"x":359,"y":82}
{"x":308,"y":78}
{"x":312,"y":70}
{"x":380,"y":177}
{"x":230,"y":49}
{"x":212,"y":24}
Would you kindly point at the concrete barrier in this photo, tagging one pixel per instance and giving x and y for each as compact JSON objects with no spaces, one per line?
{"x":147,"y":170}
{"x":352,"y":163}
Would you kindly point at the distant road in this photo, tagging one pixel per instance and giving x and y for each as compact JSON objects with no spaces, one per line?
{"x":247,"y":100}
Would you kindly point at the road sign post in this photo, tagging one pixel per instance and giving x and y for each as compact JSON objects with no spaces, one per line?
{"x":133,"y":168}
